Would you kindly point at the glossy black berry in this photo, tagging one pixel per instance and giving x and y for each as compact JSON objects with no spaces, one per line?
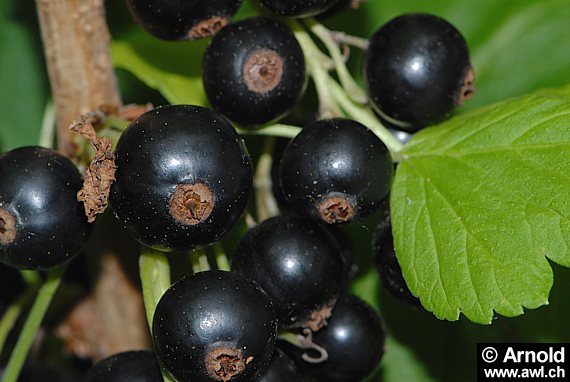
{"x":131,"y":366}
{"x":417,"y":70}
{"x":387,"y":263}
{"x":336,"y":170}
{"x":298,"y":263}
{"x":298,"y":8}
{"x":354,"y":341}
{"x":281,"y":368}
{"x":254,"y":71}
{"x":42,"y":224}
{"x":183,"y":178}
{"x":214,"y":326}
{"x":183,"y":19}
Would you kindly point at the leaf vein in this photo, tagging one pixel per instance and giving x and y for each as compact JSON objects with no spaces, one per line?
{"x":430,"y":229}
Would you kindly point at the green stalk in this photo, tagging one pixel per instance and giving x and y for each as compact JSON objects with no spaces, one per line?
{"x":32,"y":324}
{"x":154,"y":270}
{"x":348,"y":83}
{"x":155,"y":279}
{"x":14,"y":311}
{"x":277,"y":130}
{"x":31,"y":278}
{"x":265,"y":201}
{"x":221,"y":258}
{"x":47,"y":131}
{"x":249,"y":220}
{"x":199,"y":260}
{"x":366,"y":117}
{"x":327,"y":107}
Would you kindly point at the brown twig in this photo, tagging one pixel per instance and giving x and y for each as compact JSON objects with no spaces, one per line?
{"x":76,"y":44}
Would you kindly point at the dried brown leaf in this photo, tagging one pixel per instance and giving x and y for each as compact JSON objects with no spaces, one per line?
{"x":100,"y":174}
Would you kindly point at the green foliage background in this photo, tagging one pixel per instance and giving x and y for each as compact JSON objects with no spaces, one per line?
{"x":517,"y":47}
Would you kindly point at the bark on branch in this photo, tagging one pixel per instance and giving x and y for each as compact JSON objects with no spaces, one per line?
{"x":76,"y":44}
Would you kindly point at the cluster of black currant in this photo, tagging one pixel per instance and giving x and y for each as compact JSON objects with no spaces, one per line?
{"x":184,"y":178}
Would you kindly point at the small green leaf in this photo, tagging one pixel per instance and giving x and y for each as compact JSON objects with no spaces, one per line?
{"x":154,"y":270}
{"x":173,"y":69}
{"x":480,"y":202}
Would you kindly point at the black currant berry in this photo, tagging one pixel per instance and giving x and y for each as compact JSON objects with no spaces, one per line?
{"x":254,"y":71}
{"x":298,"y":8}
{"x":183,"y":19}
{"x":336,"y":170}
{"x":42,"y":224}
{"x":183,"y":178}
{"x":281,"y":368}
{"x":354,"y":341}
{"x":298,"y":263}
{"x":131,"y":366}
{"x":387,"y":264}
{"x":214,"y":326}
{"x":417,"y":70}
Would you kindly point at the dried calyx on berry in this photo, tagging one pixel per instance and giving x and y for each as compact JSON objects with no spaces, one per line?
{"x":263,"y":70}
{"x":353,"y":340}
{"x":183,"y":177}
{"x":214,"y":326}
{"x":183,"y":19}
{"x":298,"y":263}
{"x":336,"y":171}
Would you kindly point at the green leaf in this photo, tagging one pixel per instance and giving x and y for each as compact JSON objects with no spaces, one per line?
{"x":480,"y":202}
{"x":23,"y":94}
{"x":171,"y":68}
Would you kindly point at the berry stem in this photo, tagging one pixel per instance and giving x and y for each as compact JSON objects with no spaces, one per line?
{"x":249,"y":220}
{"x":366,"y":117}
{"x":14,"y":311}
{"x":333,"y":98}
{"x":327,"y":107}
{"x":265,"y":201}
{"x":31,"y":278}
{"x":47,"y":132}
{"x":277,"y":130}
{"x":221,"y":259}
{"x":154,"y":272}
{"x":33,"y":321}
{"x":199,"y":260}
{"x":348,"y":83}
{"x":346,"y":39}
{"x":305,"y":341}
